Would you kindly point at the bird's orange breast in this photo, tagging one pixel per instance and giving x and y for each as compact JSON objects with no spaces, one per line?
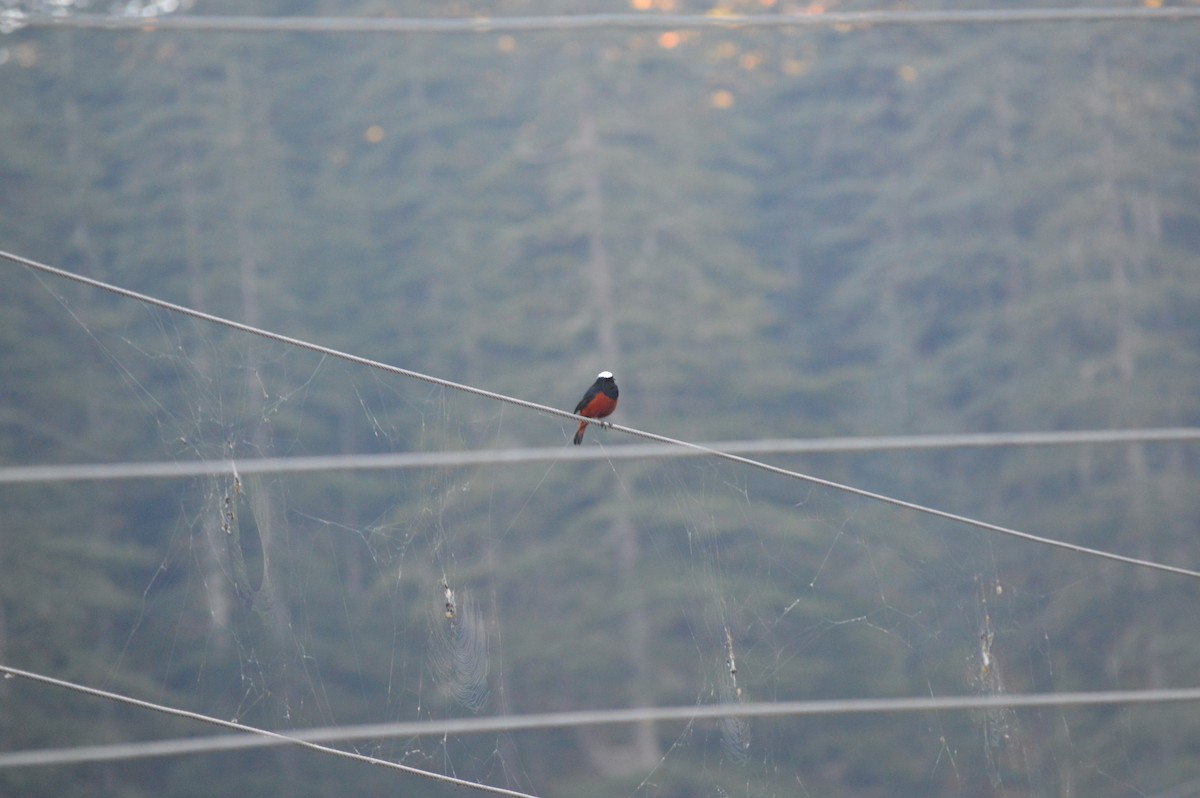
{"x":599,"y":407}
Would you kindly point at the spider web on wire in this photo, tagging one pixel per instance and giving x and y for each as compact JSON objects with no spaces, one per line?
{"x":286,"y":601}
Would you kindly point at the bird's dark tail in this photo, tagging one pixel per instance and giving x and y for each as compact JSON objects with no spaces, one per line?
{"x":579,"y":432}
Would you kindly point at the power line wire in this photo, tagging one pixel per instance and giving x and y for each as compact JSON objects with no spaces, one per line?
{"x":185,"y":469}
{"x":544,"y":409}
{"x":577,"y":22}
{"x":275,"y":737}
{"x":552,"y":720}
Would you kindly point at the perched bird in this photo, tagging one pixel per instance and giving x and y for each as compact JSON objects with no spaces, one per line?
{"x":599,"y":401}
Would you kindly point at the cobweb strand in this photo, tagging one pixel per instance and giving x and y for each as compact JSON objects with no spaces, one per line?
{"x":528,"y":405}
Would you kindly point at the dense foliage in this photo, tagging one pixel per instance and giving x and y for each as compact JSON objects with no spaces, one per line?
{"x":765,"y":233}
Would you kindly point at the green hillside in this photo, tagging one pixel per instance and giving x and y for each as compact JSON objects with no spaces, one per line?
{"x":766,"y":232}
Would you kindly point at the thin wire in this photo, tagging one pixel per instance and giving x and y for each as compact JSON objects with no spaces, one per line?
{"x":551,"y":720}
{"x":695,"y":447}
{"x":576,"y":22}
{"x":920,"y":508}
{"x":277,"y":337}
{"x":174,"y":469}
{"x":274,"y":738}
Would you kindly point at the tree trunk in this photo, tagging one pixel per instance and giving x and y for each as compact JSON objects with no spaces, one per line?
{"x":642,"y":750}
{"x":1126,"y":251}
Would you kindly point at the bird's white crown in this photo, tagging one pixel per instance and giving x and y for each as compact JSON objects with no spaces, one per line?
{"x":604,"y":375}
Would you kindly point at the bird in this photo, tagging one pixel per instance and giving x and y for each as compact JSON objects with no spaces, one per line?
{"x":598,"y":401}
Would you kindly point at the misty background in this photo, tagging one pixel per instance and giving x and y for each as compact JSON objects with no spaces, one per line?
{"x":766,"y":233}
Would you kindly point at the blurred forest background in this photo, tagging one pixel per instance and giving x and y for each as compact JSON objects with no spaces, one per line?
{"x":765,"y":233}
